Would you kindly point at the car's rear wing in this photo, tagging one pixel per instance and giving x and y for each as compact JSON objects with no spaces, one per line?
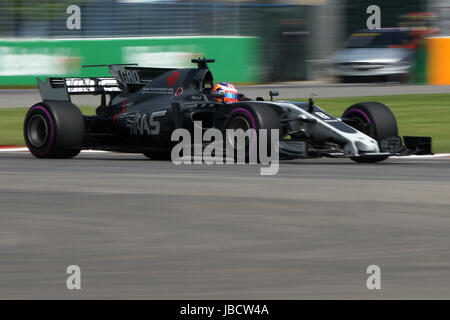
{"x":61,"y":89}
{"x":125,"y":77}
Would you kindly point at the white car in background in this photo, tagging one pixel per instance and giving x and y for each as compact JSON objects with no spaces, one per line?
{"x":375,"y":55}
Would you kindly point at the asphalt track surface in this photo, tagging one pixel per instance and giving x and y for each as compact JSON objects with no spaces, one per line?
{"x":20,"y":98}
{"x":154,"y":230}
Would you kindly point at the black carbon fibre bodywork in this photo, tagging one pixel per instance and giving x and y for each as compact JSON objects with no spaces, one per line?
{"x":141,"y":107}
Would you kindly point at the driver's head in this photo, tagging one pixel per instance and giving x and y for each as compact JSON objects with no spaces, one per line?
{"x":229,"y":91}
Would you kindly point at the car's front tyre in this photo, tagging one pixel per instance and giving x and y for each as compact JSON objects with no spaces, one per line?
{"x":250,"y":118}
{"x":373,"y":119}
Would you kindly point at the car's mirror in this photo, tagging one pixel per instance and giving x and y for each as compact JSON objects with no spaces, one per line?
{"x":273,"y":93}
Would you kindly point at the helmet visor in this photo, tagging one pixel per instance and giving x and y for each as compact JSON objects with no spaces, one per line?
{"x":230,"y":95}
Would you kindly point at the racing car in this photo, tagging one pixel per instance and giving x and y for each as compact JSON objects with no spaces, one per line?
{"x":141,"y":107}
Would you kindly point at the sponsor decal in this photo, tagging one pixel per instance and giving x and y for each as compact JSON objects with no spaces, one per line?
{"x":159,"y":90}
{"x":143,"y":124}
{"x":17,"y":61}
{"x":129,"y":76}
{"x":322,"y":115}
{"x":172,"y":78}
{"x":179,"y":91}
{"x":196,"y":98}
{"x":165,"y":56}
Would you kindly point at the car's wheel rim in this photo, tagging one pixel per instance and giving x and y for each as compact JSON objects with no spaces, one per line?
{"x":238,"y":122}
{"x":361,"y":121}
{"x":37,"y":130}
{"x":364,"y":127}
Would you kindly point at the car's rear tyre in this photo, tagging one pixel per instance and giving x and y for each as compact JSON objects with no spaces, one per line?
{"x":54,"y":129}
{"x":373,"y":119}
{"x":255,"y":117}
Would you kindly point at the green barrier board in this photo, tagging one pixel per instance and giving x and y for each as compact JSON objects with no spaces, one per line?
{"x":21,"y":61}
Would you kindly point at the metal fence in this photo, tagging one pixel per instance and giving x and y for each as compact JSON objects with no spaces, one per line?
{"x":290,"y":33}
{"x":124,"y":19}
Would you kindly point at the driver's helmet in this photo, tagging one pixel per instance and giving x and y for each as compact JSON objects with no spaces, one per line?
{"x":229,"y":91}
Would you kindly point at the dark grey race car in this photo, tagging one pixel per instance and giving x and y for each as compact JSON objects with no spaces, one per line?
{"x":145,"y":105}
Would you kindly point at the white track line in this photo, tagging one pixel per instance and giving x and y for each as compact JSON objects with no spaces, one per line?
{"x":430,"y":156}
{"x":24,"y":149}
{"x":434,"y":156}
{"x":12,"y":149}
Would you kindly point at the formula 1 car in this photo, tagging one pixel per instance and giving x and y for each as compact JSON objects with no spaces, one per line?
{"x":146,"y":105}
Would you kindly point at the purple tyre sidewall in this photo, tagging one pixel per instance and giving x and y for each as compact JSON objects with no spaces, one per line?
{"x":359,"y":112}
{"x":250,"y":117}
{"x":51,"y":139}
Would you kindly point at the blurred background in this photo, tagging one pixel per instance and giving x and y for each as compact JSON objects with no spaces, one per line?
{"x":252,"y":41}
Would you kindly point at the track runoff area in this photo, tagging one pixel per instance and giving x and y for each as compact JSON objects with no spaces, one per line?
{"x":155,"y":230}
{"x":308,"y":232}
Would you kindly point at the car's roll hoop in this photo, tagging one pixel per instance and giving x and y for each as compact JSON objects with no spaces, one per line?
{"x":202,"y":63}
